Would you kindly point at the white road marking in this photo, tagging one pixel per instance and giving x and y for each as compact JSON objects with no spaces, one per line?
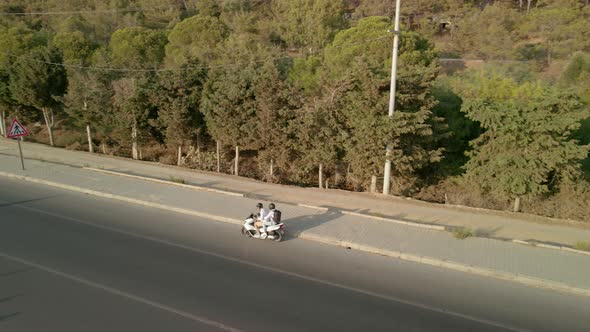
{"x":275,"y":270}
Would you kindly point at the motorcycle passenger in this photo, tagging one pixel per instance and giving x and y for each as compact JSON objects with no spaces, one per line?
{"x":261,"y":211}
{"x":268,"y":220}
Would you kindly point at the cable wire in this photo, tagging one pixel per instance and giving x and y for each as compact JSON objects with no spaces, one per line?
{"x":178,"y":69}
{"x":105,"y":11}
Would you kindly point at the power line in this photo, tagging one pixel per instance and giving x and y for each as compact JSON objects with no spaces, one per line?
{"x":105,"y":11}
{"x":178,"y":69}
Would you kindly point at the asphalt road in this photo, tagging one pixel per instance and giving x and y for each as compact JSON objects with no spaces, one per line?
{"x":72,"y":262}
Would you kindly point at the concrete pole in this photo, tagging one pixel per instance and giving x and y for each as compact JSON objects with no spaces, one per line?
{"x":373,"y":184}
{"x":179,"y":161}
{"x":89,"y":136}
{"x":387,"y":171}
{"x":237,"y":161}
{"x":3,"y":123}
{"x":218,"y":159}
{"x":320,"y":175}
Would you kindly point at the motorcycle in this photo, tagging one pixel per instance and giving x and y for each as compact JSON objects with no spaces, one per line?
{"x":275,"y":232}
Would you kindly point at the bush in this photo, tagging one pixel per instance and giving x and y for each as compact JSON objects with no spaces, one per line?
{"x":462,"y":233}
{"x":570,"y":202}
{"x":582,"y":245}
{"x":177,"y":180}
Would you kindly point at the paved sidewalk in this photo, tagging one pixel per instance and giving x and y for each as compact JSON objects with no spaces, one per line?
{"x":485,"y":224}
{"x":560,"y":267}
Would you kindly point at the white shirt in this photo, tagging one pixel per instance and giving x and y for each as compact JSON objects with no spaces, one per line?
{"x":263,"y":214}
{"x":269,"y":218}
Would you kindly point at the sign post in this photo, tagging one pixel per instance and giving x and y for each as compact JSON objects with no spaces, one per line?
{"x":17,"y":130}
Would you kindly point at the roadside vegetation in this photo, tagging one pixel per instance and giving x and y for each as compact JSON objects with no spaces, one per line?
{"x":582,"y":245}
{"x":462,"y":233}
{"x":492,"y":106}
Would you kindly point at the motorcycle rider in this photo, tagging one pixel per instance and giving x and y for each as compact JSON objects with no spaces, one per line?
{"x":268,"y":220}
{"x":258,"y":217}
{"x":262,"y":212}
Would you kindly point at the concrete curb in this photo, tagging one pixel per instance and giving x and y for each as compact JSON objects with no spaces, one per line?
{"x":145,"y":178}
{"x":122,"y":198}
{"x":320,"y":208}
{"x":525,"y":280}
{"x":395,"y":221}
{"x":313,"y":207}
{"x":521,"y":279}
{"x":551,"y":246}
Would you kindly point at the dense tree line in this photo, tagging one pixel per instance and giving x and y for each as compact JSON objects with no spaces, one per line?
{"x":296,"y":91}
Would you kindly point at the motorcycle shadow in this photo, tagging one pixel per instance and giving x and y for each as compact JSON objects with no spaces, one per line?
{"x":296,"y":226}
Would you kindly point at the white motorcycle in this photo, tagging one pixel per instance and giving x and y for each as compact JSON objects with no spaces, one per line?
{"x":275,"y":232}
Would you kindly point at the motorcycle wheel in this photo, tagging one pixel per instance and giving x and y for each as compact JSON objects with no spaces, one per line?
{"x":278,"y":236}
{"x":246,"y":233}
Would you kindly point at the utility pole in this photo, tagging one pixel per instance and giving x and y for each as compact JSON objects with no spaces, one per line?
{"x":388,"y":154}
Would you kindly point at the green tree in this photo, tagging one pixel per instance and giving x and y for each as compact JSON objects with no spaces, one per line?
{"x":229,"y":99}
{"x":308,"y":23}
{"x":461,"y":129}
{"x":319,"y":132}
{"x":88,"y":102}
{"x":526,"y":148}
{"x":276,"y":101}
{"x":209,"y":8}
{"x":88,"y":94}
{"x":137,"y":48}
{"x":366,"y":65}
{"x":576,"y":76}
{"x":6,"y":100}
{"x":486,"y":34}
{"x":75,"y":47}
{"x":561,"y":26}
{"x":16,"y":41}
{"x":35,"y":81}
{"x":131,"y":100}
{"x":305,"y":73}
{"x":196,"y":37}
{"x":177,"y":96}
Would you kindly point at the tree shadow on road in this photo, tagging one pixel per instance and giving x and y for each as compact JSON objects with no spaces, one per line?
{"x":487,"y":231}
{"x":9,"y":298}
{"x":8,"y":316}
{"x":11,"y":273}
{"x":27,"y":201}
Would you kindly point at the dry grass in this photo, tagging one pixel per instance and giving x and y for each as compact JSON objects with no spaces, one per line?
{"x":462,"y":233}
{"x":582,"y":245}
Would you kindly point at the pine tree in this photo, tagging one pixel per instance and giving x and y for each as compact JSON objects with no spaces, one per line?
{"x":526,"y":148}
{"x":276,"y":102}
{"x":35,"y":82}
{"x":366,"y":66}
{"x":177,"y":96}
{"x":319,"y":132}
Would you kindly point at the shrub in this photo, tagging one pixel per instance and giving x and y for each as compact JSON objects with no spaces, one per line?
{"x":582,"y":245}
{"x":462,"y":233}
{"x":177,"y":180}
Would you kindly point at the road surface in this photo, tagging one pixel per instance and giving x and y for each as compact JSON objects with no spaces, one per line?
{"x":72,"y":262}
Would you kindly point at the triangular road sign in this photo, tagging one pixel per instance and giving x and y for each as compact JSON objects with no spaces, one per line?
{"x":17,"y":130}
